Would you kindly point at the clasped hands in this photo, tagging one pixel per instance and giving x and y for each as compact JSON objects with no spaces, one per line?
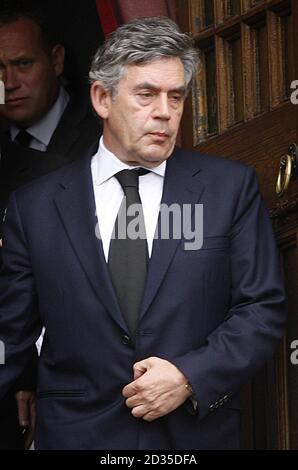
{"x":158,"y":389}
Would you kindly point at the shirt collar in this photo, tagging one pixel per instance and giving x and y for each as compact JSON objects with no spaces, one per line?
{"x":45,"y":127}
{"x":107,"y":165}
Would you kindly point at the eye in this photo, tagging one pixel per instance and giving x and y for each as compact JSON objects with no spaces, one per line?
{"x":25,"y":63}
{"x":176,"y":98}
{"x":145,"y":97}
{"x":145,"y":94}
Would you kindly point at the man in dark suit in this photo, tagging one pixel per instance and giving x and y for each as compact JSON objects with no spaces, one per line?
{"x":149,"y":332}
{"x":47,"y":127}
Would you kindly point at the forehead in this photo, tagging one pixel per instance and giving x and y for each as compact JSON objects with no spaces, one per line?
{"x":20,"y":37}
{"x":165,"y":72}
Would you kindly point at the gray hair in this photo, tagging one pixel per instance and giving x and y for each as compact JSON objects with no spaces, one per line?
{"x":138,"y":42}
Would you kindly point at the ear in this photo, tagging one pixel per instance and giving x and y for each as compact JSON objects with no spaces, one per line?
{"x":101,"y":99}
{"x":58,"y":54}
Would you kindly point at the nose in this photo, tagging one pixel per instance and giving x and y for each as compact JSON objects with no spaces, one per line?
{"x":10,"y":79}
{"x":161,"y":109}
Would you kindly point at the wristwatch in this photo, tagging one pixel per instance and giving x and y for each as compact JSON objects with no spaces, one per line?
{"x":192,"y":397}
{"x":189,"y":388}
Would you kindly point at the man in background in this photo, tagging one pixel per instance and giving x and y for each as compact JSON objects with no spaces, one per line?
{"x":42,"y":116}
{"x":46,"y":127}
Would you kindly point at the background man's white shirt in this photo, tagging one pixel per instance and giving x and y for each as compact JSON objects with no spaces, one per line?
{"x":43,"y":130}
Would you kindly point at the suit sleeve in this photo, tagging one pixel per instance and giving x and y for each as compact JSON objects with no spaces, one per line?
{"x":28,"y":378}
{"x":20,"y":325}
{"x":251,"y":331}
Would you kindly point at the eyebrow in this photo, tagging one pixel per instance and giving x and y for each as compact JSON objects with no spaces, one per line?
{"x":17,"y":60}
{"x":148,"y":86}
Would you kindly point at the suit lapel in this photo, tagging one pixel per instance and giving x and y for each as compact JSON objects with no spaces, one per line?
{"x":68,"y":125}
{"x":76,"y":206}
{"x":181,"y":186}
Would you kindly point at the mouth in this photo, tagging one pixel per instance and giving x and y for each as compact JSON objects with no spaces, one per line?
{"x":159,"y":135}
{"x":15,"y":101}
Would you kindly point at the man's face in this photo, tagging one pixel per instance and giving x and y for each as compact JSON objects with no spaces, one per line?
{"x":141,"y":122}
{"x":29,"y":74}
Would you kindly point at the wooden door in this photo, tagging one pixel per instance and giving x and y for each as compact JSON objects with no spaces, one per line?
{"x":241,"y":108}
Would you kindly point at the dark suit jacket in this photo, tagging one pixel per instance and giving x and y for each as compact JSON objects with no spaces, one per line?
{"x":77,"y":130}
{"x":217,"y":313}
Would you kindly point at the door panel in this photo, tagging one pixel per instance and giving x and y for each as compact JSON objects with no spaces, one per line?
{"x":240,"y":109}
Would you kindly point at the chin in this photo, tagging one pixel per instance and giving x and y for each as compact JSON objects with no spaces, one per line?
{"x":154,"y":160}
{"x":17,"y":119}
{"x":156,"y":154}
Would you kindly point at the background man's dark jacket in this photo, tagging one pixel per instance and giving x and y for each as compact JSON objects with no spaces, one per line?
{"x":77,"y":130}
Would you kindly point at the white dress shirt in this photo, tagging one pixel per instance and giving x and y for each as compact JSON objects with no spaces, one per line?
{"x":43,"y":130}
{"x":109,"y":194}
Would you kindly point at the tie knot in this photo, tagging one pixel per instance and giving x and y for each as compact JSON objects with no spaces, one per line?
{"x":23,"y":138}
{"x":130,"y":178}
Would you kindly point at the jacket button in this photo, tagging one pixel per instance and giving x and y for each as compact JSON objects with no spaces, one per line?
{"x":126,"y":340}
{"x":211,"y":407}
{"x":226,"y":398}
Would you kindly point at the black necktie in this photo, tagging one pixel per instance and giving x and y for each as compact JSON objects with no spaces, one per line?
{"x":23,"y":138}
{"x":128,"y":255}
